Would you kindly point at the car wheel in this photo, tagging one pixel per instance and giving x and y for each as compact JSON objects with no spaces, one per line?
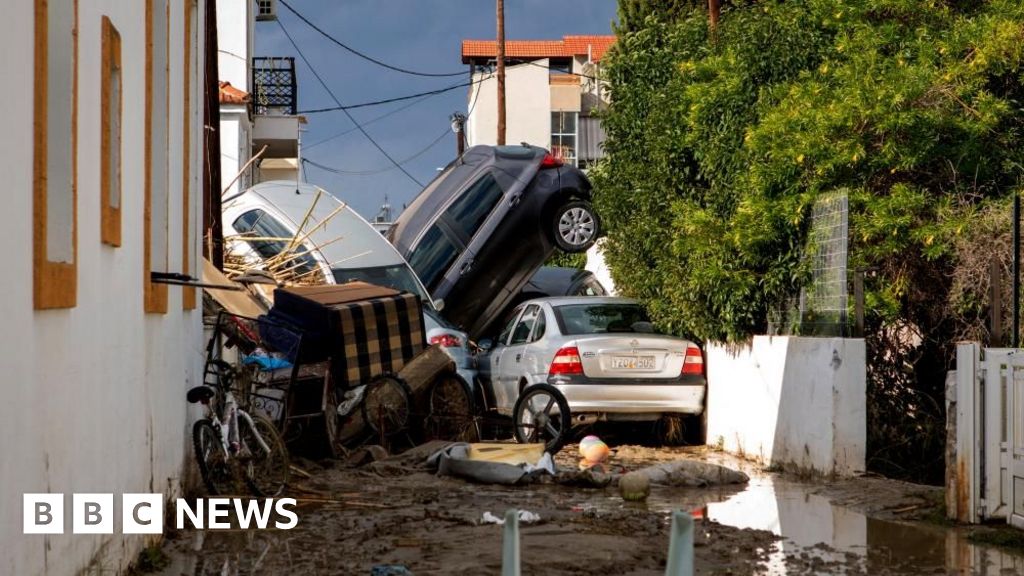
{"x":575,"y":226}
{"x":541,"y":414}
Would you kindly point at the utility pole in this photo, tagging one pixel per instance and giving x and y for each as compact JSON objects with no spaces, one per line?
{"x":459,"y":127}
{"x":501,"y":72}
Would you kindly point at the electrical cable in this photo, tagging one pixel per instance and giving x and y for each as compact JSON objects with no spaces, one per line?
{"x":339,"y":171}
{"x":338,"y":102}
{"x":365,"y":56}
{"x":388,"y":100}
{"x":367,"y":123}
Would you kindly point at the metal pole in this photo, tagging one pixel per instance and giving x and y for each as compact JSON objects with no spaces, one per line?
{"x":680,"y":546}
{"x":501,"y":72}
{"x":1015,"y":339}
{"x":995,"y":306}
{"x":510,"y":559}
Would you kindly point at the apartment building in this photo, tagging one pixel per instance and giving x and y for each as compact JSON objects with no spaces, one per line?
{"x":551,"y":92}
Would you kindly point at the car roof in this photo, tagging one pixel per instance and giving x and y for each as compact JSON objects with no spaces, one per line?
{"x":555,"y":280}
{"x":556,"y":301}
{"x":345,"y":238}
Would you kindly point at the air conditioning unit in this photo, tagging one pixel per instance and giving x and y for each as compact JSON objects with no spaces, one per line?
{"x":266,"y":10}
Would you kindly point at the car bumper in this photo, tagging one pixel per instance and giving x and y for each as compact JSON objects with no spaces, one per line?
{"x":585,"y":396}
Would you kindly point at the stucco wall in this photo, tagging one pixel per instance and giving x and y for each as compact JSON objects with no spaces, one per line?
{"x":790,"y":401}
{"x":93,"y":396}
{"x":527,"y":107}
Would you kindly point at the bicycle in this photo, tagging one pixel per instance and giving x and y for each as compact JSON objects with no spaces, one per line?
{"x":233,"y":447}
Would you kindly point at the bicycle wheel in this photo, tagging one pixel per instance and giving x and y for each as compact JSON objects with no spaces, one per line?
{"x":541,"y":414}
{"x":266,"y":472}
{"x":213,"y":462}
{"x":387,"y":405}
{"x":452,"y":414}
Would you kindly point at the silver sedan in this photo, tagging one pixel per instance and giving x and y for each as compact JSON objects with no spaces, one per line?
{"x":600,"y":353}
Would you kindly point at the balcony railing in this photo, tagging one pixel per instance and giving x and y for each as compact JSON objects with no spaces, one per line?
{"x":274,"y":88}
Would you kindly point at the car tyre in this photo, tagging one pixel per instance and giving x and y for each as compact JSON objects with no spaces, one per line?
{"x":534,"y":419}
{"x":575,"y":226}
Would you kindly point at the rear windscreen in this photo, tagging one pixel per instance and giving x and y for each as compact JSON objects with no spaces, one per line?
{"x":575,"y":319}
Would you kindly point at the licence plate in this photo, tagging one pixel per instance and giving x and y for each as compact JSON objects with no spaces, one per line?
{"x":632,"y":362}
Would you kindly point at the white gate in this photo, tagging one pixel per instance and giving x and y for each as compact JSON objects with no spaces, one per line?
{"x":1014,"y":455}
{"x":986,"y":481}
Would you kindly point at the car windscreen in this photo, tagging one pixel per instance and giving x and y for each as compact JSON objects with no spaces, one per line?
{"x":398,"y":277}
{"x":577,"y":319}
{"x":270,"y":238}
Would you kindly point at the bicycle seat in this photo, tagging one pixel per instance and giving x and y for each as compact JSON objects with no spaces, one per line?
{"x":201,"y":393}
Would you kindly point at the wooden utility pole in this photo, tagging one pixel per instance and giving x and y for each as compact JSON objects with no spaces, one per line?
{"x":714,"y":11}
{"x":501,"y":72}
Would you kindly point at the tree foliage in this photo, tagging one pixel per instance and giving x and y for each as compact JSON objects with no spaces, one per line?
{"x":717,"y":151}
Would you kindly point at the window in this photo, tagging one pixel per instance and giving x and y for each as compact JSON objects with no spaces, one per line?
{"x":188,"y":293}
{"x":155,"y":213}
{"x":397,"y":276}
{"x":539,"y":326}
{"x":110,"y":135}
{"x":54,"y":186}
{"x":510,"y":322}
{"x":470,"y":210}
{"x":560,"y":66}
{"x":525,"y":325}
{"x":563,"y":136}
{"x":274,"y":239}
{"x":432,"y":257}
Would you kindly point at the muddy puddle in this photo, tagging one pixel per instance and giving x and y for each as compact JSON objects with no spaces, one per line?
{"x":818,"y":537}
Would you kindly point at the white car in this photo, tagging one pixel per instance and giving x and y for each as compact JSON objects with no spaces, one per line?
{"x":591,"y":357}
{"x":339,"y":245}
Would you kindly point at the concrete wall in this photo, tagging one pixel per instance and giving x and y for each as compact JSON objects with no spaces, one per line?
{"x":527,"y":108}
{"x":790,"y":401}
{"x":93,"y":396}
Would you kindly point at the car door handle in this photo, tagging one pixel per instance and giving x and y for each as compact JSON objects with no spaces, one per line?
{"x":519,"y":357}
{"x":514,"y":199}
{"x":466,"y":267}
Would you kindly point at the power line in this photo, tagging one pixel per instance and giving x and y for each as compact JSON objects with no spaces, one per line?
{"x":367,"y":123}
{"x":388,"y":100}
{"x":365,"y":56}
{"x":342,"y":172}
{"x":338,"y":102}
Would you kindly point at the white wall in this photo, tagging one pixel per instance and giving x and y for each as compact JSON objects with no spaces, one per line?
{"x":527,"y":107}
{"x":235,"y":138}
{"x":235,"y":24}
{"x":790,"y":401}
{"x":93,"y":396}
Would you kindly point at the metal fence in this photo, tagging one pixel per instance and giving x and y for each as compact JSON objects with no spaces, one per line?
{"x":821,"y":307}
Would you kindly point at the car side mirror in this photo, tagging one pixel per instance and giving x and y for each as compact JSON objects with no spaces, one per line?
{"x":438,"y":304}
{"x":486,"y":344}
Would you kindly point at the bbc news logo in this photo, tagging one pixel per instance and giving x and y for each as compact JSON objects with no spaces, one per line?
{"x":144,"y":513}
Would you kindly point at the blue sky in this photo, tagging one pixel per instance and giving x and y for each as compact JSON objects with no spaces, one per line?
{"x":422,"y":35}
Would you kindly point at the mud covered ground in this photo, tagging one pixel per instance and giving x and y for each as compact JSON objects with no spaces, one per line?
{"x":394,"y":512}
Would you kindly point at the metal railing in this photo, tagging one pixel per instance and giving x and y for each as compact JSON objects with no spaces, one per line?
{"x":274,"y":87}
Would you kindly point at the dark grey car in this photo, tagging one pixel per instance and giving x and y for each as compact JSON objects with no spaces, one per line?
{"x":477,"y":233}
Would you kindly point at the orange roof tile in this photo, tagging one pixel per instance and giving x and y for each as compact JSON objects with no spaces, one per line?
{"x":231,"y":95}
{"x":567,"y":47}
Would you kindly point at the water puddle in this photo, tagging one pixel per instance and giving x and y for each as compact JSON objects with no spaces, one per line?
{"x":821,"y":538}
